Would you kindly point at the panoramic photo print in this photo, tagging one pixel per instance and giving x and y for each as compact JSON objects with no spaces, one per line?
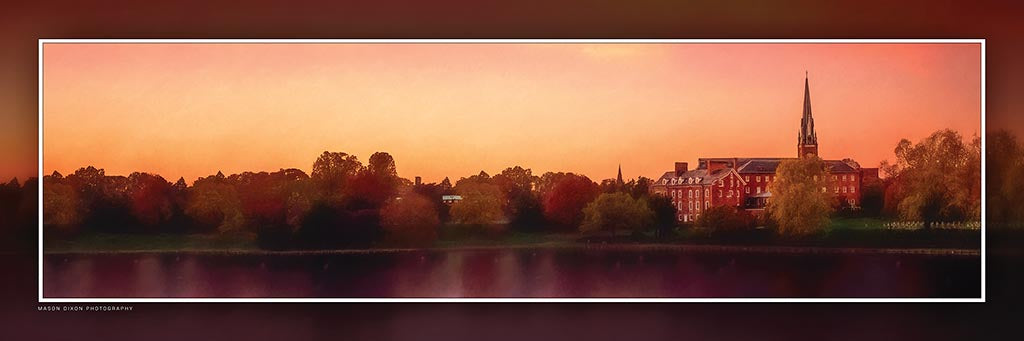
{"x":449,"y":170}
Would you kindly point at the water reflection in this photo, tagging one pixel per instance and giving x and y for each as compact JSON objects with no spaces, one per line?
{"x":512,"y":273}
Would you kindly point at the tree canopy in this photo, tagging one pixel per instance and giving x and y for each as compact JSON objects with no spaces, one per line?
{"x":614,"y":212}
{"x":798,"y":204}
{"x":937,"y":179}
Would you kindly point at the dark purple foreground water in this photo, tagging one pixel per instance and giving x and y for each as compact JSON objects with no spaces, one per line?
{"x":513,"y":273}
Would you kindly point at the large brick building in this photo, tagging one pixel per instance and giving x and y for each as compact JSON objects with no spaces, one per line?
{"x":746,"y":182}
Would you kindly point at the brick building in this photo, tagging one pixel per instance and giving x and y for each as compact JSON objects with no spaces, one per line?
{"x":746,"y":182}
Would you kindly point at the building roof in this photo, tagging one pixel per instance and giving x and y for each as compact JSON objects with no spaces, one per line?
{"x":694,"y":177}
{"x":760,"y":165}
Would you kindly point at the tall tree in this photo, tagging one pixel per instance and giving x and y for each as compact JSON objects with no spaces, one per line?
{"x":799,"y":205}
{"x":332,"y":171}
{"x":565,"y":200}
{"x":939,"y":178}
{"x":481,"y":202}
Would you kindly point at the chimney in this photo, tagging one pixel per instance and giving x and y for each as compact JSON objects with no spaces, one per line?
{"x":681,"y":168}
{"x":418,"y":180}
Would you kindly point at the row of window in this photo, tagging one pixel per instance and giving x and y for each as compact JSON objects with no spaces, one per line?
{"x":851,"y":177}
{"x":690,"y":205}
{"x":767,"y":178}
{"x":837,"y":189}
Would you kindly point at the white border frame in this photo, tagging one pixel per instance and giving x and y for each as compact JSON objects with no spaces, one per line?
{"x":508,"y":41}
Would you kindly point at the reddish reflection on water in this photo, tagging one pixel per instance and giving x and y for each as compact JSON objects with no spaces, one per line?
{"x":512,"y":273}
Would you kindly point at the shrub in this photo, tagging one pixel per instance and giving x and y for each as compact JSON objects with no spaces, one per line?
{"x":410,"y":221}
{"x":725,"y":219}
{"x":616,"y":211}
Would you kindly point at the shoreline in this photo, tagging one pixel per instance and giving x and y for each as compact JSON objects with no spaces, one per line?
{"x":601,"y":247}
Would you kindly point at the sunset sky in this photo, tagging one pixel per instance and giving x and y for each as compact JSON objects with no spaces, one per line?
{"x":190,"y":110}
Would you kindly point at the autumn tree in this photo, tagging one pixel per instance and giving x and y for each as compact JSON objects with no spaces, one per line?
{"x":410,"y":220}
{"x":481,"y":202}
{"x":617,"y":211}
{"x":105,"y":200}
{"x":375,"y":184}
{"x":799,"y":205}
{"x":566,"y":197}
{"x":62,"y":209}
{"x":332,"y":171}
{"x":152,"y":200}
{"x":938,"y":178}
{"x":522,"y":204}
{"x":213,"y":205}
{"x":1005,"y":158}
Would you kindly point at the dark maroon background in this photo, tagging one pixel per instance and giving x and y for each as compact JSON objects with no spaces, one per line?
{"x":998,"y":22}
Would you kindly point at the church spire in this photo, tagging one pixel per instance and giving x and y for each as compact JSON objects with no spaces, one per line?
{"x":807,"y":139}
{"x":618,"y":180}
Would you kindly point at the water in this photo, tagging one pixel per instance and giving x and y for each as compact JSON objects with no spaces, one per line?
{"x":513,"y":273}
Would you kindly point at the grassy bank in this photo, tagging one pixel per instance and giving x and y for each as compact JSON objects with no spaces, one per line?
{"x":843,"y":233}
{"x":152,"y":242}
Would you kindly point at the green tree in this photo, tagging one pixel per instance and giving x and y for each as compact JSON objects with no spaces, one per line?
{"x":332,"y":171}
{"x":213,"y":204}
{"x":798,"y":203}
{"x":481,"y":202}
{"x":725,"y":218}
{"x":664,"y":214}
{"x":939,"y":178}
{"x":616,"y":211}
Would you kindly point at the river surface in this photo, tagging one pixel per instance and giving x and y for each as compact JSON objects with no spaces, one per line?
{"x":536,"y":273}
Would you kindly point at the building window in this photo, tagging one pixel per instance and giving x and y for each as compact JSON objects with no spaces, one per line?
{"x":837,"y":189}
{"x":823,"y":190}
{"x":746,"y":178}
{"x":680,"y":204}
{"x":747,"y":189}
{"x":833,"y":178}
{"x":721,"y":183}
{"x":844,"y":177}
{"x":689,"y":193}
{"x":853,"y":189}
{"x":853,"y":178}
{"x":730,"y":193}
{"x":758,"y":189}
{"x":758,"y":178}
{"x":707,"y":204}
{"x":719,"y":193}
{"x":707,"y":192}
{"x":844,"y":189}
{"x":689,"y":205}
{"x":673,"y":194}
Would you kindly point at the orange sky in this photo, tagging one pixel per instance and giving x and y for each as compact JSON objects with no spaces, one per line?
{"x":455,"y":109}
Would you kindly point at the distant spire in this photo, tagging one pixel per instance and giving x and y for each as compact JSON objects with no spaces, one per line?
{"x":619,"y":179}
{"x":807,"y":136}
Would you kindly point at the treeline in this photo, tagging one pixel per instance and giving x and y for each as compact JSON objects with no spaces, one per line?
{"x":342,"y":203}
